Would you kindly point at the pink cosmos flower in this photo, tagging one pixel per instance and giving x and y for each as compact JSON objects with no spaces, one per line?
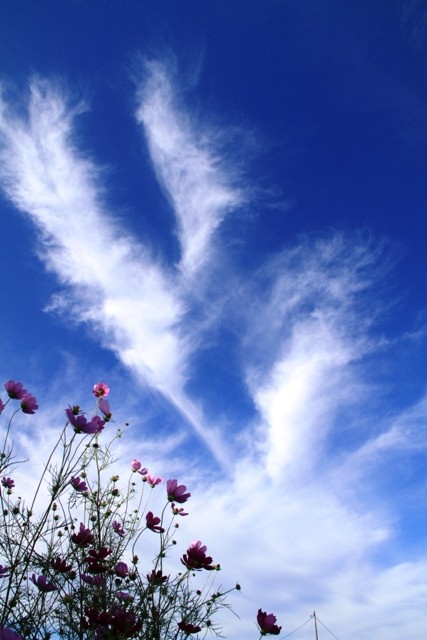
{"x":83,"y":538}
{"x":137,"y":466}
{"x":95,"y":617}
{"x":267,"y":623}
{"x":8,"y":634}
{"x":178,"y":511}
{"x":15,"y":390}
{"x":100,"y":390}
{"x":196,"y":557}
{"x":124,"y":595}
{"x":125,"y":623}
{"x":176,"y":492}
{"x":42,"y":584}
{"x":81,"y":425}
{"x":98,"y":555}
{"x":104,"y":407}
{"x":78,"y":484}
{"x":188,"y":628}
{"x":121,"y":570}
{"x":153,"y":480}
{"x":8,"y":483}
{"x":92,"y":580}
{"x":29,"y":404}
{"x":153,"y":523}
{"x":118,"y":528}
{"x":157,"y":578}
{"x":60,"y":565}
{"x":95,"y":560}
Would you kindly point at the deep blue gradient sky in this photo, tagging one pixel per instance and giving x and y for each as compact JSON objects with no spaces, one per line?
{"x":220,"y":209}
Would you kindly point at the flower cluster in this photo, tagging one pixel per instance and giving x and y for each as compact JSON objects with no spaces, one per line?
{"x":72,"y":571}
{"x":267,"y":623}
{"x":16,"y":391}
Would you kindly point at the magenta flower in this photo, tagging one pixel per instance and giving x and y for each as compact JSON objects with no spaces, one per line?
{"x":124,"y":622}
{"x":153,"y":480}
{"x":60,"y":565}
{"x":78,"y":484}
{"x":8,"y":483}
{"x":4,"y":571}
{"x":196,"y":557}
{"x":153,"y":523}
{"x":15,"y":390}
{"x":118,"y":528}
{"x":137,"y":466}
{"x":121,"y":569}
{"x":81,"y":425}
{"x":42,"y":584}
{"x":157,"y":578}
{"x":96,"y":617}
{"x":98,"y":555}
{"x":95,"y":560}
{"x":83,"y":538}
{"x":104,"y":407}
{"x":101,"y":390}
{"x":8,"y":634}
{"x":178,"y":511}
{"x":124,"y":595}
{"x":267,"y":623}
{"x":188,"y":628}
{"x":92,"y":580}
{"x":176,"y":492}
{"x":29,"y":404}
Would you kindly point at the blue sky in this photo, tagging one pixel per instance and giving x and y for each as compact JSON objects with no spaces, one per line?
{"x":219,"y":208}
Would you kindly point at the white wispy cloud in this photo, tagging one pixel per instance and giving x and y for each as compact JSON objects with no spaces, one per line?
{"x":119,"y":286}
{"x":112,"y":281}
{"x":309,"y":329}
{"x":188,"y":166}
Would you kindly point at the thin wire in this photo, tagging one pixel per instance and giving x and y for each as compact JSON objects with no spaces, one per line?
{"x":324,"y":625}
{"x":297,"y":629}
